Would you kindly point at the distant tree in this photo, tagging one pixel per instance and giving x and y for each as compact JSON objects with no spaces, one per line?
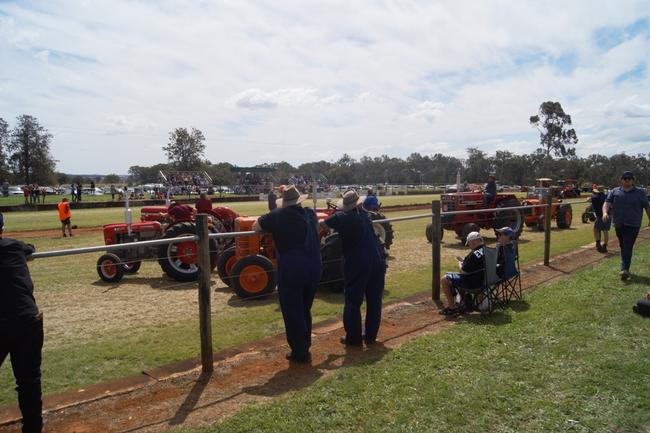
{"x":552,"y":123}
{"x":477,"y":166}
{"x":30,"y":152}
{"x":4,"y":143}
{"x":62,"y":178}
{"x":185,"y":149}
{"x":110,"y":179}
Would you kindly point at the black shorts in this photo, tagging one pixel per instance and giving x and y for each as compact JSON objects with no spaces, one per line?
{"x":65,"y":222}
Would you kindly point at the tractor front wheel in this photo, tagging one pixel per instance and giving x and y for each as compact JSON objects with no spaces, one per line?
{"x":467,"y":229}
{"x":110,"y":268}
{"x":429,"y":232}
{"x":131,"y":267}
{"x":225,"y":263}
{"x":541,"y":223}
{"x":564,"y":216}
{"x":253,"y":276}
{"x":332,"y":264}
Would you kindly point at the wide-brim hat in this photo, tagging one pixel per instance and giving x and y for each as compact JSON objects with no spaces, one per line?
{"x":350,"y":200}
{"x":598,"y":189}
{"x":291,"y":196}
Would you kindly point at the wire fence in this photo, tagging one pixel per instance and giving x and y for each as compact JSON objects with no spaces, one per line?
{"x":207,"y":242}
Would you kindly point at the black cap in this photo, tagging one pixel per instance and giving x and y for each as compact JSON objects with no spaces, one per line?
{"x":627,"y":174}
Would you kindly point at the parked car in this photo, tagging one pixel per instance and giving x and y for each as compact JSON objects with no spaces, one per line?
{"x":92,"y":191}
{"x":15,"y":190}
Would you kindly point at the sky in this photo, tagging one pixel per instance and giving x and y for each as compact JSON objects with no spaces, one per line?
{"x":297,"y":81}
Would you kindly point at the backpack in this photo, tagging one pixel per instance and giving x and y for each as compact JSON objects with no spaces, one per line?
{"x":642,"y":307}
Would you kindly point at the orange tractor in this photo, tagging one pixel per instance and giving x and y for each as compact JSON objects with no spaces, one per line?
{"x":562,"y":213}
{"x":248,"y":267}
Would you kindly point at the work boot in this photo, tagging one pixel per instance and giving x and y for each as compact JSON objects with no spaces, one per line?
{"x":624,"y":274}
{"x":604,"y":248}
{"x":598,"y":247}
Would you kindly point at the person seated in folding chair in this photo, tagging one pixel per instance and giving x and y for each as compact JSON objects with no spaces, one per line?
{"x":507,"y":265}
{"x":471,"y":275}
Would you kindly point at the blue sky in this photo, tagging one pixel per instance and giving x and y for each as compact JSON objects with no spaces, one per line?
{"x":301,"y":81}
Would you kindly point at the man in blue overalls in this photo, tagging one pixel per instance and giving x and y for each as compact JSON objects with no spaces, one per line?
{"x":364,"y":269}
{"x":295,"y":234}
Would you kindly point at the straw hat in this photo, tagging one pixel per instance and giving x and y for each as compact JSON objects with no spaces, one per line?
{"x":350,"y":200}
{"x":291,"y":196}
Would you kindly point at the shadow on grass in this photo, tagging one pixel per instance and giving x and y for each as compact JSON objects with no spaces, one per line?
{"x":191,"y":399}
{"x":497,"y":318}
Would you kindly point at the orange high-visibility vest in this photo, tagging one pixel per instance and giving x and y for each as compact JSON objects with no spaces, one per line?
{"x":64,"y":211}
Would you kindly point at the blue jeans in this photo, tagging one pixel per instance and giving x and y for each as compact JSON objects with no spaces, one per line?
{"x":626,"y":237}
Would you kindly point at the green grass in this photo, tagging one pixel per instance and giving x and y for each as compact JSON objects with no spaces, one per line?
{"x":571,"y":357}
{"x":97,"y":354}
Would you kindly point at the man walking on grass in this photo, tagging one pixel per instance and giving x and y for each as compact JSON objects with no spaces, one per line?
{"x":626,"y":204}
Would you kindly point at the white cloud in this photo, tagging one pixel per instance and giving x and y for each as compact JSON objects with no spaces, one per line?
{"x":302,"y":82}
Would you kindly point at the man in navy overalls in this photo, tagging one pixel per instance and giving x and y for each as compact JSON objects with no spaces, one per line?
{"x":295,"y":234}
{"x":364,"y":269}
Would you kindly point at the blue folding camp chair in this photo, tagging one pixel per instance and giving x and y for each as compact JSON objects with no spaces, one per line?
{"x":510,"y":284}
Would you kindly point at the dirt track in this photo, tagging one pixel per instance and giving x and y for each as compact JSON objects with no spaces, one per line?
{"x":166,"y":398}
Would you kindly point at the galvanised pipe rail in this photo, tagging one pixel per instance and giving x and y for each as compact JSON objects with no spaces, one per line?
{"x":155,"y":242}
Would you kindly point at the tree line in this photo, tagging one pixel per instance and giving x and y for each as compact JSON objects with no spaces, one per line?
{"x":25,"y":157}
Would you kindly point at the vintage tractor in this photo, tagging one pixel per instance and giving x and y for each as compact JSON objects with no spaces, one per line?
{"x":248,"y":267}
{"x":178,"y":260}
{"x":562,"y":213}
{"x":567,"y":188}
{"x":463,"y":224}
{"x":588,"y":215}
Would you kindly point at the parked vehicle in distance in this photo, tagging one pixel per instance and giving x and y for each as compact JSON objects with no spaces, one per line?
{"x":15,"y":190}
{"x":92,"y":191}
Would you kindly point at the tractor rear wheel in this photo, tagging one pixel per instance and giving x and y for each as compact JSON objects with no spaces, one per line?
{"x":530,"y":223}
{"x":180,"y":260}
{"x":467,"y":229}
{"x":429,"y":232}
{"x":585,"y":218}
{"x":564,"y":216}
{"x":509,"y":217}
{"x":253,"y":276}
{"x":131,"y":267}
{"x":332,"y":264}
{"x":109,"y":268}
{"x":225,"y":263}
{"x":383,"y":230}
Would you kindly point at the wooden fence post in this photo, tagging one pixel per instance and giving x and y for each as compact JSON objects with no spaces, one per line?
{"x":205,"y":315}
{"x":435,"y":250}
{"x":547,"y":228}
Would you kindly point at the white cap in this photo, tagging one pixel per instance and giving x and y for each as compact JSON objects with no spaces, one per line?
{"x":471,"y":236}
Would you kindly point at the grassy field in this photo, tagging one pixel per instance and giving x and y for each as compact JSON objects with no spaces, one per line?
{"x":571,"y":357}
{"x":97,"y":331}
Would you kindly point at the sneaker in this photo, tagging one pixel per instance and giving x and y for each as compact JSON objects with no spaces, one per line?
{"x":624,"y":274}
{"x":599,"y":248}
{"x":604,"y":248}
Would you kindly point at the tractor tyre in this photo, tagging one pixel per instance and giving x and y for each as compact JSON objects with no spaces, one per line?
{"x":509,"y":217}
{"x":225,"y":263}
{"x":467,"y":229}
{"x":180,"y":260}
{"x":383,"y":230}
{"x":529,"y":223}
{"x":429,"y":232}
{"x":540,"y":223}
{"x":109,"y":268}
{"x":131,"y":267}
{"x":253,"y":276}
{"x":332,"y":264}
{"x":564,"y":216}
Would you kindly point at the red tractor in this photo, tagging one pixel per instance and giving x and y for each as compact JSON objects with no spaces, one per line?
{"x":248,"y":267}
{"x":567,"y":188}
{"x":463,"y":224}
{"x":178,"y":260}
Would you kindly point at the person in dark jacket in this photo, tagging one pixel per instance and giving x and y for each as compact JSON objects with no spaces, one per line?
{"x":490,"y":189}
{"x":627,"y":203}
{"x":364,"y":269}
{"x":597,"y":200}
{"x":21,"y":329}
{"x":295,"y":233}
